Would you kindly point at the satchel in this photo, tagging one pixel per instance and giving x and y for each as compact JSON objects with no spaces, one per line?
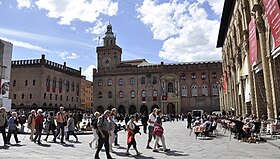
{"x":158,"y":131}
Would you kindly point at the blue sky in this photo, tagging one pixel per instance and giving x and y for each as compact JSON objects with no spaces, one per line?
{"x":67,"y":30}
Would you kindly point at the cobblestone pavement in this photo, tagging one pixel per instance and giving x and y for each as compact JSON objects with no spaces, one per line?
{"x":177,"y":139}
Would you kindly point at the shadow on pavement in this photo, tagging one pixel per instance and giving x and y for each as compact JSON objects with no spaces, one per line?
{"x":123,"y":154}
{"x":175,"y":153}
{"x":68,"y":145}
{"x":45,"y":145}
{"x":5,"y":147}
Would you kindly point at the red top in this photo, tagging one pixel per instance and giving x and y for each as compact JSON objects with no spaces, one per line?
{"x":39,"y":121}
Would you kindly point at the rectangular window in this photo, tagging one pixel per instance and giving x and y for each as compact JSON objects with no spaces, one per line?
{"x":45,"y":95}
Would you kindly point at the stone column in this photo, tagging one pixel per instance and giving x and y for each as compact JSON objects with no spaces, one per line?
{"x":265,"y":65}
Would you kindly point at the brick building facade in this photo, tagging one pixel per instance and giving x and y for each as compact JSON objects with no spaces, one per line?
{"x":138,"y":86}
{"x":40,"y":83}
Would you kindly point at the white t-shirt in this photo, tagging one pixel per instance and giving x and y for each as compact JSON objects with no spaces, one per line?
{"x":152,"y":118}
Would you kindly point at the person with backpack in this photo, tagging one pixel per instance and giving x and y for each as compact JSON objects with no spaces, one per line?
{"x":103,"y":134}
{"x":31,"y":123}
{"x":50,"y":122}
{"x":94,"y":129}
{"x":132,"y":129}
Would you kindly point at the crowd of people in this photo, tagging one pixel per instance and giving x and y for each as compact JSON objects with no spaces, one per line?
{"x":104,"y":128}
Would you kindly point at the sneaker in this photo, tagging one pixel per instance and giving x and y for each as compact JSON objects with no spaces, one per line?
{"x":159,"y":146}
{"x":116,"y":145}
{"x":155,"y":151}
{"x":90,"y":144}
{"x":62,"y":142}
{"x":149,"y":147}
{"x":166,"y":150}
{"x":138,"y":153}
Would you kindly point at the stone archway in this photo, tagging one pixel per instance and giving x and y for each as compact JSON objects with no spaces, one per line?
{"x":132,"y":110}
{"x":144,"y":109}
{"x":171,"y":108}
{"x":100,"y":109}
{"x":110,"y":107}
{"x":121,"y":110}
{"x":153,"y":107}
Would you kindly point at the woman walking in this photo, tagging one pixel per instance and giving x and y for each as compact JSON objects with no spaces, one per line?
{"x":51,"y":124}
{"x":158,"y":131}
{"x":131,"y":131}
{"x":94,"y":129}
{"x":12,"y":124}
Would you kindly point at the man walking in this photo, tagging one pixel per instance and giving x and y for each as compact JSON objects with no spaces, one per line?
{"x":151,"y":121}
{"x":60,"y":119}
{"x":103,"y":135}
{"x":3,"y":124}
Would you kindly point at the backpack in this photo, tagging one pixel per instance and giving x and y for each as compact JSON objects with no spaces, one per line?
{"x":136,"y":129}
{"x":94,"y":122}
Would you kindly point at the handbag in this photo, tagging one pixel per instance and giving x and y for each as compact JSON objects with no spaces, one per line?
{"x":158,"y":131}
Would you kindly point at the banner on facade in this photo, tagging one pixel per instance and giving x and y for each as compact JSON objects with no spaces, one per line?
{"x":273,"y":16}
{"x":5,"y":87}
{"x":253,"y":45}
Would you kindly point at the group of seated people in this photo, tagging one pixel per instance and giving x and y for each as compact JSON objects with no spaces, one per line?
{"x":204,"y":127}
{"x":244,"y":128}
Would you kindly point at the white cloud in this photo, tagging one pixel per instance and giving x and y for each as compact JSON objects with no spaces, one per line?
{"x":88,"y":72}
{"x":186,"y":32}
{"x":73,"y":28}
{"x":23,"y":4}
{"x":26,"y":45}
{"x":216,"y":6}
{"x":41,"y":37}
{"x":83,"y":10}
{"x":67,"y":55}
{"x":98,"y":28}
{"x":0,"y":2}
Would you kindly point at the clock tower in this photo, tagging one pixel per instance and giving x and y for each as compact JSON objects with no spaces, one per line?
{"x":108,"y":55}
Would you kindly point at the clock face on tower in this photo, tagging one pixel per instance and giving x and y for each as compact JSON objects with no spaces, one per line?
{"x":106,"y":62}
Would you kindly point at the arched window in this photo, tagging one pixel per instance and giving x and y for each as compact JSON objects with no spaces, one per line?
{"x":34,"y":82}
{"x":183,"y":76}
{"x":110,"y":82}
{"x":143,"y":95}
{"x":193,"y":76}
{"x":154,"y":80}
{"x":204,"y":89}
{"x":110,"y":94}
{"x":67,"y":86}
{"x":214,"y":75}
{"x":184,"y":91}
{"x":132,"y":81}
{"x":203,"y":76}
{"x":72,"y":86}
{"x":121,"y":82}
{"x":100,"y":82}
{"x":48,"y":81}
{"x":170,"y":87}
{"x":54,"y":83}
{"x":60,"y":85}
{"x":132,"y":94}
{"x":121,"y":94}
{"x":26,"y":82}
{"x":15,"y":96}
{"x":194,"y":90}
{"x":155,"y":94}
{"x":22,"y":96}
{"x":215,"y":90}
{"x":143,"y":80}
{"x":14,"y":83}
{"x":77,"y":89}
{"x":30,"y":96}
{"x":99,"y":94}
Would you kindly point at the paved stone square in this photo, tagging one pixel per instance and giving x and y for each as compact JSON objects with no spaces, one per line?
{"x":177,"y":139}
